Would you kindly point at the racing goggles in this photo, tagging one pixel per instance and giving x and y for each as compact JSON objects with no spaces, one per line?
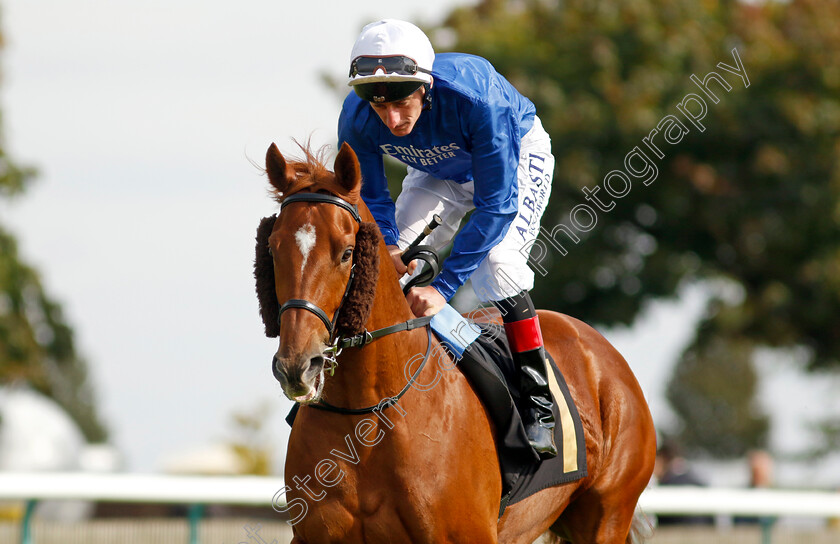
{"x":396,"y":64}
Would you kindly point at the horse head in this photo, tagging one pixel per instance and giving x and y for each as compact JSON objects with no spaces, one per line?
{"x":316,"y":265}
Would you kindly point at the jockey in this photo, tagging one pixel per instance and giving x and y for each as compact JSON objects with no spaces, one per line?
{"x":472,"y":143}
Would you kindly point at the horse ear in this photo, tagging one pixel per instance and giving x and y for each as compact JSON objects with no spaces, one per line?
{"x":347,"y":171}
{"x":279,"y":174}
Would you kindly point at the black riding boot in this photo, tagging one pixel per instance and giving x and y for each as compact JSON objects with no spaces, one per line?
{"x":538,"y":416}
{"x":523,"y":332}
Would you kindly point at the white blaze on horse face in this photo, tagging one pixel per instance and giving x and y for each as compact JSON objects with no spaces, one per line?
{"x":305,"y":238}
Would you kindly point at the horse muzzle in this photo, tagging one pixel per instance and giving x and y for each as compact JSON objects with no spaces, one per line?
{"x":301,"y":381}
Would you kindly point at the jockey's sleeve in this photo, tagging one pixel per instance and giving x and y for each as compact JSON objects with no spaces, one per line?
{"x":375,"y":191}
{"x":376,"y":195}
{"x":495,"y":135}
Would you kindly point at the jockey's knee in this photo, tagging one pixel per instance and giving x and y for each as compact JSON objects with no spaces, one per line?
{"x":498,"y":278}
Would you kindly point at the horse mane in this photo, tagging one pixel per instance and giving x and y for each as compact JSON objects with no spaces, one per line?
{"x":311,"y":174}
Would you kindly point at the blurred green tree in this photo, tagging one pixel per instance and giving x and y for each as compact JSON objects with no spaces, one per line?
{"x":752,"y":199}
{"x":249,"y":440}
{"x":36,"y":343}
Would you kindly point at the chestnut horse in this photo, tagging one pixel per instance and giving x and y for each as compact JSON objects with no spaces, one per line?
{"x":412,"y":458}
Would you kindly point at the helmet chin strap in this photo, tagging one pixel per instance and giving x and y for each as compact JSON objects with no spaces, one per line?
{"x":427,"y":96}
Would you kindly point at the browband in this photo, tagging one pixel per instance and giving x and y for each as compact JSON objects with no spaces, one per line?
{"x":321,"y":197}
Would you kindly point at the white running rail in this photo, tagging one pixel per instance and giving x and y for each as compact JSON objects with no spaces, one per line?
{"x":198,"y":491}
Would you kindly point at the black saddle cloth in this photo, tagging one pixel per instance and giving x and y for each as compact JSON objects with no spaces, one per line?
{"x":489,"y":366}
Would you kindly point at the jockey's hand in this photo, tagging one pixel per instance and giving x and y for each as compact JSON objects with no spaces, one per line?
{"x":396,"y":257}
{"x":425,"y":300}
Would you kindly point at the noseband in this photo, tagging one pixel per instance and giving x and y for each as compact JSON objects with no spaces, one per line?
{"x":305,"y":304}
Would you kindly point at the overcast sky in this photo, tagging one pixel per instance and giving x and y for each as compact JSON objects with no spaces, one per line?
{"x":143,"y":120}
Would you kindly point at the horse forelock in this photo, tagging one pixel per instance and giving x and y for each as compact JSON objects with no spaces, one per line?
{"x":312,"y":175}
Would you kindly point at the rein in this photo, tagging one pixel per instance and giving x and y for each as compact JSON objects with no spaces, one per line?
{"x":389,"y":401}
{"x":359,"y":340}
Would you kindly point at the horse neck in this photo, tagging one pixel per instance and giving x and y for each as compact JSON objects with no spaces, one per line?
{"x":367,"y":375}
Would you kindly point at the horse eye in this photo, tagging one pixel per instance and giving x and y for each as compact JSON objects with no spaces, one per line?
{"x":348,"y":253}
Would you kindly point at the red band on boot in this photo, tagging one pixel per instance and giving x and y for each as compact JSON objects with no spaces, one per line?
{"x":524,"y":335}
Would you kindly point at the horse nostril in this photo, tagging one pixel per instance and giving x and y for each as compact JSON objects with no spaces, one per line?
{"x":312,"y":368}
{"x":279,"y":375}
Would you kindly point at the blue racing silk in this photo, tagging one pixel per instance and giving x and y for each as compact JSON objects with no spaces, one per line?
{"x":471,"y":133}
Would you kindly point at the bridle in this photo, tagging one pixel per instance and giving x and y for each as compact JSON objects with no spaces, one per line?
{"x":337,"y":342}
{"x":305,"y":304}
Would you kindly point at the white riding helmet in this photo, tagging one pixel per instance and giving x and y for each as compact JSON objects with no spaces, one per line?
{"x":390,"y":60}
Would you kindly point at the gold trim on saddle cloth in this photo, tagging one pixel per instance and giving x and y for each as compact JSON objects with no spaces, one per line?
{"x":567,"y":424}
